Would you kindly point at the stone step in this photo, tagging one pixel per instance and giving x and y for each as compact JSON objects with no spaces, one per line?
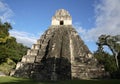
{"x":28,"y":59}
{"x":81,"y":75}
{"x":39,"y":41}
{"x":36,"y":46}
{"x":38,"y":60}
{"x":32,"y":52}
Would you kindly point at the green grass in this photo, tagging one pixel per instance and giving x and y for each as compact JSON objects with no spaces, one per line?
{"x":13,"y":80}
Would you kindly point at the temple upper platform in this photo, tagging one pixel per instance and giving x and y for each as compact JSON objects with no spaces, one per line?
{"x":61,"y":17}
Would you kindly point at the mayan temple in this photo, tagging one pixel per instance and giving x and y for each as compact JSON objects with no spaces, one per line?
{"x":59,"y":54}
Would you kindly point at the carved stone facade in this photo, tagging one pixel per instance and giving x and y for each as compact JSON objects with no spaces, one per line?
{"x":60,"y":54}
{"x":61,"y":17}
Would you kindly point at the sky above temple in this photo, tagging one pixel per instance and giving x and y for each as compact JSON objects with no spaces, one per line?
{"x":91,"y":18}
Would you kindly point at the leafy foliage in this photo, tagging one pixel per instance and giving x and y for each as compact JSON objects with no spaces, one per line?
{"x":111,"y":62}
{"x":9,"y":48}
{"x":7,"y":66}
{"x":13,"y":50}
{"x":4,"y":31}
{"x":107,"y":60}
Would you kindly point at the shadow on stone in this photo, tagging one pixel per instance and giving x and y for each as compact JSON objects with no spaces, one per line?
{"x":52,"y":69}
{"x":47,"y":69}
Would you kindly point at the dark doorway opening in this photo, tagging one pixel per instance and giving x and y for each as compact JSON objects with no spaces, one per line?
{"x":61,"y":23}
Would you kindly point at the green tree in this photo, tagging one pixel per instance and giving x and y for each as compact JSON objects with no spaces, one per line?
{"x":9,"y":48}
{"x":4,"y":31}
{"x":10,"y":51}
{"x":13,"y":50}
{"x":107,"y":60}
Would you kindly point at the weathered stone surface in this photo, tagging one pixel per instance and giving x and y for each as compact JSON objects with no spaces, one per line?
{"x":61,"y":17}
{"x":59,"y":54}
{"x":2,"y":74}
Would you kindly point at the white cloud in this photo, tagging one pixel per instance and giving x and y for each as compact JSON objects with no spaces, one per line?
{"x":23,"y":37}
{"x":79,"y":28}
{"x":107,"y":20}
{"x":5,"y":12}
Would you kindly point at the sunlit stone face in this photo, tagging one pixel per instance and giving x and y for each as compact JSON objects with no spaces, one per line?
{"x":61,"y":17}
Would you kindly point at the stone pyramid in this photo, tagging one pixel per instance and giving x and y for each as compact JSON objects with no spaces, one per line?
{"x":59,"y":54}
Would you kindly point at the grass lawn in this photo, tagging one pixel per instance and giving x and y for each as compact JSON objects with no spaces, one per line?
{"x":13,"y":80}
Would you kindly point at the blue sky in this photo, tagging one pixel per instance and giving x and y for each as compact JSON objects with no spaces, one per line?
{"x":91,"y":18}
